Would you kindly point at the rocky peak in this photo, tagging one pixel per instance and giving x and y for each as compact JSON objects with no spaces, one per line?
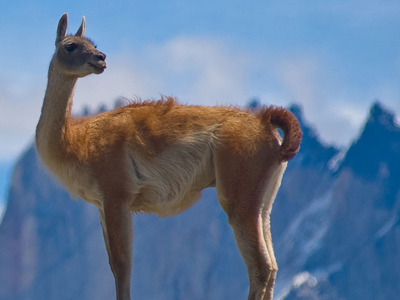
{"x":375,"y":154}
{"x":382,"y":116}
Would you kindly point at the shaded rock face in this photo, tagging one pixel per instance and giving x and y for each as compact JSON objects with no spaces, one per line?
{"x":335,"y":227}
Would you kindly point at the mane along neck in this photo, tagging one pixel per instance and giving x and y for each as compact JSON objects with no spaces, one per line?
{"x":53,"y":129}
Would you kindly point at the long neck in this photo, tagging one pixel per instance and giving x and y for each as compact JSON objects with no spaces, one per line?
{"x":53,"y":127}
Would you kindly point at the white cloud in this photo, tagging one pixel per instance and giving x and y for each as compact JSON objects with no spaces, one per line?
{"x":20,"y":104}
{"x":299,"y":78}
{"x":204,"y":71}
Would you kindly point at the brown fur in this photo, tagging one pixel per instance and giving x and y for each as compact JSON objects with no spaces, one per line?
{"x":157,"y":156}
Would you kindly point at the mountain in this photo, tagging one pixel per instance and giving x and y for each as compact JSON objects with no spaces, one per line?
{"x":358,"y":256}
{"x":335,"y":227}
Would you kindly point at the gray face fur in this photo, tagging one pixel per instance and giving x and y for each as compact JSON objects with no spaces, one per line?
{"x":75,"y":55}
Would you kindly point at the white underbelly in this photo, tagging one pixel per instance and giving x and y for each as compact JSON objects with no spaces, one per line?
{"x":173,"y":181}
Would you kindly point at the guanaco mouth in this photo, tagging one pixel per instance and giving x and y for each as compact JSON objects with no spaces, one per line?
{"x":98,"y":68}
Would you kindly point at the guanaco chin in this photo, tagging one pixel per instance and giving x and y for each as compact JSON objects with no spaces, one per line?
{"x":157,"y":157}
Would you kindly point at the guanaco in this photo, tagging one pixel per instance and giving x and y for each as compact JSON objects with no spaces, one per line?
{"x":157,"y":156}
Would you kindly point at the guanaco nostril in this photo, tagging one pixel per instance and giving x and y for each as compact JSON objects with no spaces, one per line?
{"x":101,"y":56}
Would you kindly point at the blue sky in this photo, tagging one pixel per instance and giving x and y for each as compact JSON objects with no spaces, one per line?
{"x":333,"y":57}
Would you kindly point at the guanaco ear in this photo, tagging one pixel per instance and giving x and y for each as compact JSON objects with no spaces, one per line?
{"x":62,"y":28}
{"x":81,"y":30}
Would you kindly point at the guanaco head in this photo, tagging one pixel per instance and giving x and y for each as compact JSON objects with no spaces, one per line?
{"x":77,"y":56}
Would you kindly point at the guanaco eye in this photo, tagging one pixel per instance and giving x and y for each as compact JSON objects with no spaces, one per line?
{"x":70,"y":47}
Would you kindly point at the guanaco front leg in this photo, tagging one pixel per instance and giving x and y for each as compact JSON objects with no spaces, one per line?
{"x":116,"y":222}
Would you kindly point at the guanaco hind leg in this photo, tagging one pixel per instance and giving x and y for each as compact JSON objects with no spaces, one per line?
{"x":269,"y":197}
{"x":246,"y":195}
